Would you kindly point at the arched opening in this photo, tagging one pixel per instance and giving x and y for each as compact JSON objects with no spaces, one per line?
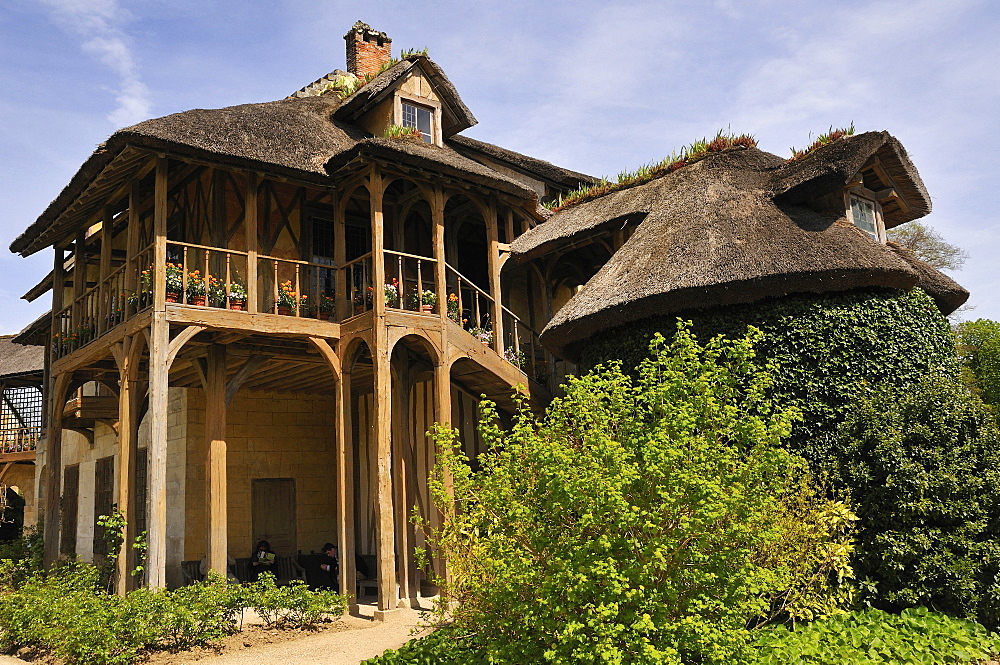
{"x":467,"y":273}
{"x":413,"y":456}
{"x":357,"y":251}
{"x":409,"y":248}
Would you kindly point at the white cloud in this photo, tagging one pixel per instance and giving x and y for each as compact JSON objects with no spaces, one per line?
{"x":100,"y":23}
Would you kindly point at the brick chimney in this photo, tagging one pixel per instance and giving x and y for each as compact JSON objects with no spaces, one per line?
{"x":367,"y":49}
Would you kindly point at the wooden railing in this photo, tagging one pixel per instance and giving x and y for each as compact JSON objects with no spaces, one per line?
{"x":19,"y":439}
{"x":521,"y":347}
{"x":206,"y":276}
{"x":411,"y":278}
{"x":297,"y":288}
{"x":469,"y":306}
{"x":360,"y":287}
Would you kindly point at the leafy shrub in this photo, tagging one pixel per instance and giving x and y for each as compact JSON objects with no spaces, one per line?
{"x":639,"y":521}
{"x":827,"y":348}
{"x":871,"y":637}
{"x":200,"y":613}
{"x":20,"y":558}
{"x":923,"y":467}
{"x":445,"y":646}
{"x":68,"y":614}
{"x":979,"y":349}
{"x":293,"y":605}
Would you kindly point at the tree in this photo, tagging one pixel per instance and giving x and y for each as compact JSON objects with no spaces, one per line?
{"x":979,"y":351}
{"x":646,"y":520}
{"x":922,"y":465}
{"x":928,"y":245}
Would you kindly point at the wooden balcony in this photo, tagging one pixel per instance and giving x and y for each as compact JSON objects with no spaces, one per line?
{"x":239,"y":291}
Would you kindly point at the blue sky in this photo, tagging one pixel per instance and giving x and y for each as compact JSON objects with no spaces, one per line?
{"x":597,"y":87}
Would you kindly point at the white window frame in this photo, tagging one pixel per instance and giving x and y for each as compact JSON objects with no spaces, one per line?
{"x":431,"y":135}
{"x":879,"y":235}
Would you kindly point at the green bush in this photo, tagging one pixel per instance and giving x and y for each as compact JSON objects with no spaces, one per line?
{"x":641,"y":521}
{"x":68,"y":614}
{"x":293,"y":605}
{"x":873,"y":637}
{"x":827,"y":347}
{"x":445,"y":646}
{"x":979,"y":350}
{"x":922,"y":465}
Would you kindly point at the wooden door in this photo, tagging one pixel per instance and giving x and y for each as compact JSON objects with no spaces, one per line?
{"x":273,"y":511}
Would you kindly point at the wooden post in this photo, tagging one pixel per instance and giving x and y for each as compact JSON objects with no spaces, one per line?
{"x":53,"y":467}
{"x":442,"y":415}
{"x":387,"y":594}
{"x":215,"y":463}
{"x":250,"y":221}
{"x":159,"y":341}
{"x":127,"y":355}
{"x":375,"y":192}
{"x":440,"y":275}
{"x":79,"y":277}
{"x":345,"y":485}
{"x":160,"y":235}
{"x":344,"y":306}
{"x":400,"y":442}
{"x":104,"y":296}
{"x":493,"y":261}
{"x":132,"y":282}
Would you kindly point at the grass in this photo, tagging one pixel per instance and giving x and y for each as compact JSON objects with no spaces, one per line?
{"x":347,"y":85}
{"x":822,"y":140}
{"x":647,"y":172}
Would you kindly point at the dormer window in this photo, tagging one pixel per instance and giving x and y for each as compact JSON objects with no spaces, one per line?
{"x":419,"y":117}
{"x":865,"y":215}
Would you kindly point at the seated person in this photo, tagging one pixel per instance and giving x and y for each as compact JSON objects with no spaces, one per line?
{"x":330,"y":567}
{"x":262,"y":560}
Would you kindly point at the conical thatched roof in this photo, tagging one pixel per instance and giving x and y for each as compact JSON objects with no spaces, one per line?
{"x":725,"y":230}
{"x":299,"y":137}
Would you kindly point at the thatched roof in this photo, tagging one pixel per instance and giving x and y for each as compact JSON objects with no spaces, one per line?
{"x":540,"y":168}
{"x":18,"y":360}
{"x":946,"y":292}
{"x":713,"y":234}
{"x":830,"y":167}
{"x":297,"y":136}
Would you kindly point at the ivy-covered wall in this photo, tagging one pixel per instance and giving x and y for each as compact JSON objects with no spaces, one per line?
{"x":826,"y":347}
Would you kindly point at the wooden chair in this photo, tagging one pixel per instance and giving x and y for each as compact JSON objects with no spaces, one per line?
{"x":191,"y":571}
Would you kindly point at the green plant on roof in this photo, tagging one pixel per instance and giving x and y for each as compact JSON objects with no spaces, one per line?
{"x":401,"y":132}
{"x":822,"y":140}
{"x":687,"y":155}
{"x":410,"y":52}
{"x":343,"y":86}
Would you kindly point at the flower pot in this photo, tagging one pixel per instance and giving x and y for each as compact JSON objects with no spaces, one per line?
{"x":171,"y":297}
{"x":236,"y":305}
{"x":197,"y":300}
{"x":284,"y":311}
{"x":427,"y":309}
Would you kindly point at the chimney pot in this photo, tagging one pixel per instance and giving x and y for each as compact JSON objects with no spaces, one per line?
{"x":367,"y":49}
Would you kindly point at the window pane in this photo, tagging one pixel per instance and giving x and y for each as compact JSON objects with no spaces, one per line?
{"x":424,"y":124}
{"x":863,"y":213}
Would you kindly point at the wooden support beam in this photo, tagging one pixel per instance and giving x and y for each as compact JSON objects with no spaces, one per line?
{"x":252,"y":364}
{"x":493,"y":263}
{"x":128,"y":355}
{"x":6,"y":468}
{"x":215,"y":463}
{"x":179,"y":341}
{"x":53,"y":469}
{"x":442,"y":416}
{"x":160,"y":236}
{"x":159,"y":342}
{"x":250,"y":224}
{"x":345,"y":485}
